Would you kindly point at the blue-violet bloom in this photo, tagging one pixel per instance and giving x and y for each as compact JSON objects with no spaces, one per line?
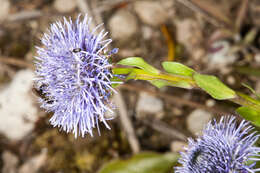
{"x":73,"y":73}
{"x":224,"y":147}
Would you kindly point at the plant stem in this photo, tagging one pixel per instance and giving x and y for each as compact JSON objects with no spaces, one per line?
{"x":245,"y":100}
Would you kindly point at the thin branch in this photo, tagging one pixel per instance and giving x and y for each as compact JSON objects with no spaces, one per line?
{"x":241,"y":14}
{"x":16,"y":62}
{"x":24,"y":15}
{"x":126,"y":123}
{"x":174,"y":99}
{"x":165,"y":129}
{"x":211,"y":15}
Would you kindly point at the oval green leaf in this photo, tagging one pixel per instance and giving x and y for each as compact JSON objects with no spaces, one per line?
{"x":140,"y":63}
{"x":177,"y":68}
{"x":119,"y":71}
{"x":214,"y":87}
{"x":143,"y":163}
{"x":250,"y":114}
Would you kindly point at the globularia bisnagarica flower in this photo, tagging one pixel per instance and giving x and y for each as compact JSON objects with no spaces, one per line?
{"x":224,"y":147}
{"x":74,"y":75}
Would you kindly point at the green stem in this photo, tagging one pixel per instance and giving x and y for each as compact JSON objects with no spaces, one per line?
{"x":245,"y":100}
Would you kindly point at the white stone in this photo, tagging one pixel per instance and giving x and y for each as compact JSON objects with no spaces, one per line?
{"x":65,"y":6}
{"x":17,"y":107}
{"x":221,"y":57}
{"x":151,"y":12}
{"x":35,"y":163}
{"x":189,"y":34}
{"x":10,"y":162}
{"x":210,"y":103}
{"x":197,"y":120}
{"x":231,"y":80}
{"x":4,"y":9}
{"x":149,"y":104}
{"x":122,"y":25}
{"x":257,"y":58}
{"x":147,"y":32}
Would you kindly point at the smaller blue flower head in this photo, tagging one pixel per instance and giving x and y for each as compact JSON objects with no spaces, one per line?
{"x":74,"y":75}
{"x":224,"y":147}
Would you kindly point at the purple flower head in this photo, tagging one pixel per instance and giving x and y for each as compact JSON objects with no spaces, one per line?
{"x":224,"y":147}
{"x":74,"y":75}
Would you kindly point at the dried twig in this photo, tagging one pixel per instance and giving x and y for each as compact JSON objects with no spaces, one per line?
{"x":241,"y":14}
{"x":174,"y":99}
{"x":24,"y":15}
{"x":15,"y":62}
{"x":126,"y":123}
{"x":165,"y":129}
{"x":211,"y":13}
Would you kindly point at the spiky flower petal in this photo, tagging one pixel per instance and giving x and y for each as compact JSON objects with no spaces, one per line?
{"x":73,"y":74}
{"x":224,"y":147}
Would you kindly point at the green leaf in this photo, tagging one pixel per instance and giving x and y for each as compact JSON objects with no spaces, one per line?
{"x":214,"y":87}
{"x":250,"y":114}
{"x":162,"y":83}
{"x":177,"y":68}
{"x":251,"y":89}
{"x":143,"y":163}
{"x":140,"y":63}
{"x":121,"y":70}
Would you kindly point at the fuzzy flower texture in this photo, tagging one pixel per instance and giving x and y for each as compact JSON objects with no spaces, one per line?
{"x":224,"y":147}
{"x":73,"y":74}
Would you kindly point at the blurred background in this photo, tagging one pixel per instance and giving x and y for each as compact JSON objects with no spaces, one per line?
{"x":214,"y":38}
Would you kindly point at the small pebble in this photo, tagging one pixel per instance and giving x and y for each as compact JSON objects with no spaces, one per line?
{"x":123,"y":25}
{"x":151,"y":12}
{"x":65,"y":6}
{"x":220,"y":56}
{"x":35,"y":163}
{"x":210,"y":103}
{"x":10,"y":162}
{"x":176,"y":111}
{"x":197,"y":120}
{"x":4,"y":9}
{"x":257,"y":58}
{"x":149,"y":104}
{"x":231,"y":80}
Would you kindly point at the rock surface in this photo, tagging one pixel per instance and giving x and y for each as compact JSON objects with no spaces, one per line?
{"x":197,"y":120}
{"x":151,"y":12}
{"x":122,"y":25}
{"x":186,"y":31}
{"x":34,"y":163}
{"x":220,"y":55}
{"x":65,"y":6}
{"x":17,"y":107}
{"x":149,"y":104}
{"x":10,"y":162}
{"x":4,"y":9}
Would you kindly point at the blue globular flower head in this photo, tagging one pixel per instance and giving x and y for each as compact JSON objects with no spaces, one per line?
{"x":73,"y":73}
{"x":224,"y":147}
